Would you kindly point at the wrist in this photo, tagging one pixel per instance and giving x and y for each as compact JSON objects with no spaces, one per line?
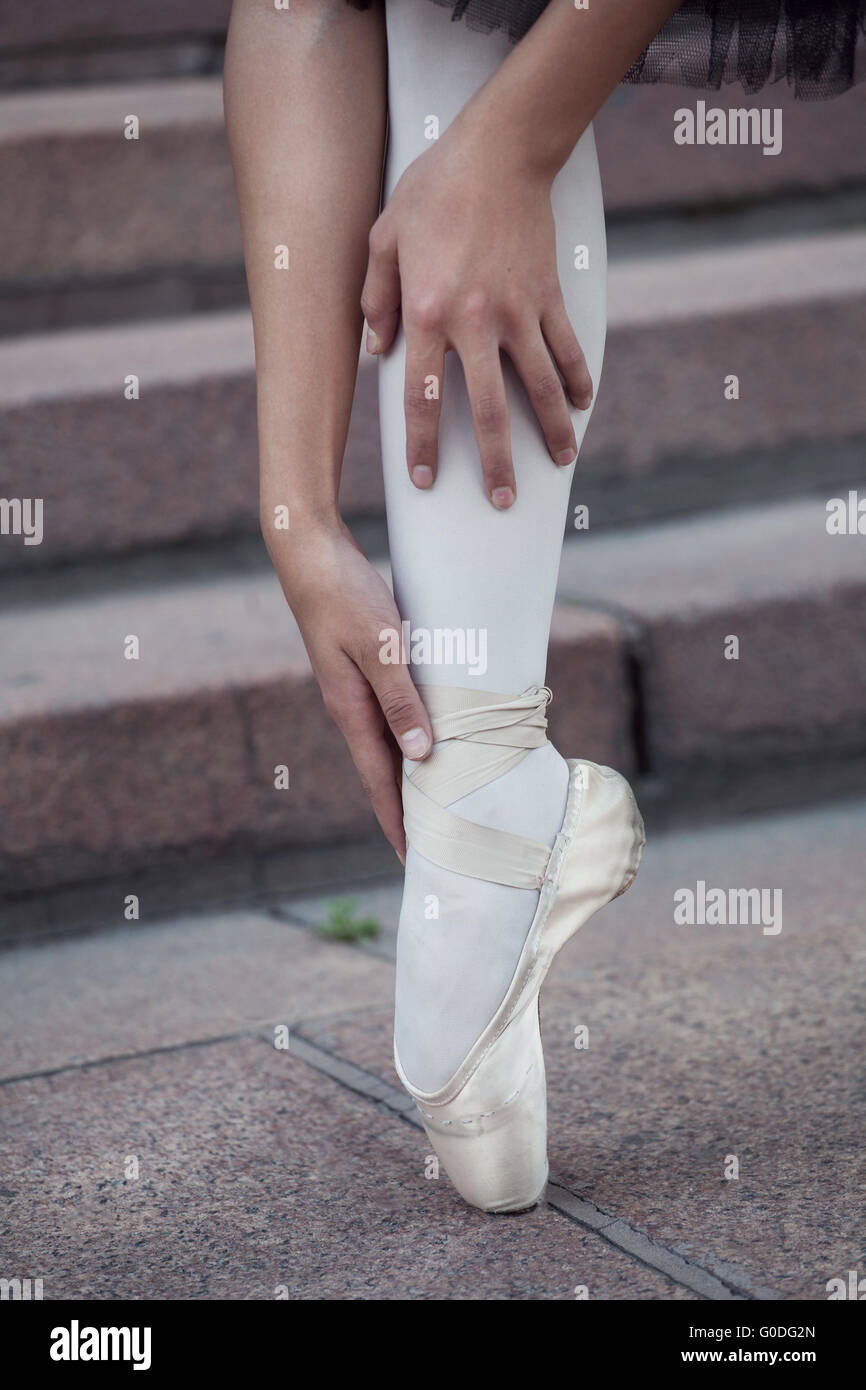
{"x":304,"y":560}
{"x":306,"y":536}
{"x":295,"y":534}
{"x":505,"y":143}
{"x":293,"y":505}
{"x":299,"y":521}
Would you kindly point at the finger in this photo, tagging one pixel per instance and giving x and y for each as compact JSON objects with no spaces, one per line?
{"x":486,"y":389}
{"x":425,"y":370}
{"x":568,"y":355}
{"x":372,"y":753}
{"x":398,"y":697}
{"x":353,"y":706}
{"x":397,"y":772}
{"x":380,"y":297}
{"x":536,"y":367}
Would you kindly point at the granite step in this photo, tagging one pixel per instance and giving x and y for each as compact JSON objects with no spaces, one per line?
{"x":695,"y":655}
{"x":178,"y":465}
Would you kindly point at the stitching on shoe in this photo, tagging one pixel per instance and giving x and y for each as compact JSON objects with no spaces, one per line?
{"x":485,"y":1114}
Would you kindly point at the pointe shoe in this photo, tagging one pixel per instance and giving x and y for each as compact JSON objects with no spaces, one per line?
{"x":488,"y":1123}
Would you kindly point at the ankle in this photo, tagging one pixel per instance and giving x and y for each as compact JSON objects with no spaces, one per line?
{"x":527,"y":800}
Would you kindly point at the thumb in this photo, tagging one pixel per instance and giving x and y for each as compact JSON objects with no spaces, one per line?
{"x":402,"y":707}
{"x":380,"y":297}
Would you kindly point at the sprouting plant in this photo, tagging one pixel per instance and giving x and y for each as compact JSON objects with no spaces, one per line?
{"x":341,"y":923}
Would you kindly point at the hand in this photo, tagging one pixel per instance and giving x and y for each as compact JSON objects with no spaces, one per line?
{"x":342,"y":605}
{"x":465,"y":252}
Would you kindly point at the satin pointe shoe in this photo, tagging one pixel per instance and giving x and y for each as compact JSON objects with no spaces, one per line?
{"x":488,"y":1123}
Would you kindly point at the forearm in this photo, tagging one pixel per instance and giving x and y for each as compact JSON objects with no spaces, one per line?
{"x":540,"y":100}
{"x":305,"y":99}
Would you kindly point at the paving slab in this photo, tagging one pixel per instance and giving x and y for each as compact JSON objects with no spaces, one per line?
{"x":147,"y":985}
{"x":379,"y":900}
{"x":255,"y":1177}
{"x":708,"y":1044}
{"x":726,"y":1042}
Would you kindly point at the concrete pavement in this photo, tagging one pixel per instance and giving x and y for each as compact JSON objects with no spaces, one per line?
{"x":159,"y":1141}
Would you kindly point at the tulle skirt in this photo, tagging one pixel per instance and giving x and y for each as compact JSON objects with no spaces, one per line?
{"x":818,"y":46}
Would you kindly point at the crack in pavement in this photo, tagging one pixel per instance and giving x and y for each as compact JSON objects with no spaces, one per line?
{"x":628,"y":1239}
{"x":620,"y":1234}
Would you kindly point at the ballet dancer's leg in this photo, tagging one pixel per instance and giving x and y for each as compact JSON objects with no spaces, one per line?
{"x":459,"y":564}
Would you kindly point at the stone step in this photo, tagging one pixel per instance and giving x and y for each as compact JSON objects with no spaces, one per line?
{"x":643,"y":168}
{"x":178,"y":465}
{"x":165,"y":199}
{"x":101,"y":41}
{"x":116,"y":768}
{"x":56,"y":24}
{"x":167,"y":236}
{"x":112,"y":765}
{"x":748,"y":629}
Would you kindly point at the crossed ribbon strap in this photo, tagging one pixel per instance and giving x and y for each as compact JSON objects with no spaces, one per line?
{"x":482,"y":736}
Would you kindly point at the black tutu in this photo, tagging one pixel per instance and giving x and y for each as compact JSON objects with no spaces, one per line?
{"x":818,"y":46}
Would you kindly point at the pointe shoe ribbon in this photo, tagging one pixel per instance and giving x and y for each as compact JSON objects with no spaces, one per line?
{"x":482,"y":736}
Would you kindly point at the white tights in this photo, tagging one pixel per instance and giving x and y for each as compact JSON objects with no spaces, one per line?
{"x":459,"y":564}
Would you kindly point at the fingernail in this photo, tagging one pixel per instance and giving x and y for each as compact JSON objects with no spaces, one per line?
{"x":372,"y":341}
{"x":502,"y":497}
{"x":565,"y":457}
{"x":422,"y":476}
{"x":585,"y":401}
{"x":414,"y":743}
